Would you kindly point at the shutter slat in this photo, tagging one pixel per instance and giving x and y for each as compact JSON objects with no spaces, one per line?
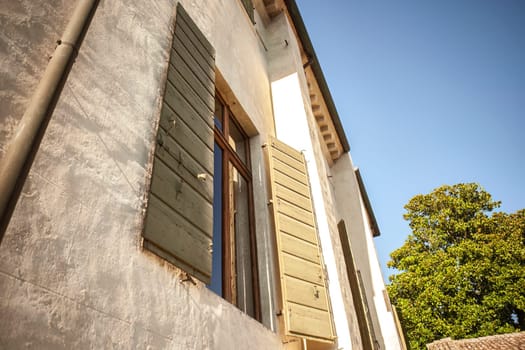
{"x":179,"y":195}
{"x":295,"y":212}
{"x":183,"y":165}
{"x":291,"y":196}
{"x":179,"y":220}
{"x":191,"y":142}
{"x":188,"y":249}
{"x":201,"y":89}
{"x":182,"y":15}
{"x":292,"y":173}
{"x":287,"y":159}
{"x":203,"y":51}
{"x":297,"y":229}
{"x":298,"y":247}
{"x":302,"y":269}
{"x":202,"y":73}
{"x":179,"y":107}
{"x":205,"y":62}
{"x":292,"y":184}
{"x":304,"y":295}
{"x":179,"y":82}
{"x":309,"y":321}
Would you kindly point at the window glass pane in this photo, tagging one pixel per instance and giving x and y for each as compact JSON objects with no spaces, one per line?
{"x":216,"y":272}
{"x":219,"y":114}
{"x":238,"y":141}
{"x":241,"y":226}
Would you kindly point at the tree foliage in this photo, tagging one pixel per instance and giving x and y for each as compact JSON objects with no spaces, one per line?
{"x":462,"y":269}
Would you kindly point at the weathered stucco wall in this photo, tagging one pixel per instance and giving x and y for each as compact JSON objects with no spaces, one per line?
{"x":72,"y":271}
{"x":27,"y":39}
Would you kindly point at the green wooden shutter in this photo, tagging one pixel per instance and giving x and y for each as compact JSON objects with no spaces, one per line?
{"x":305,"y":304}
{"x":179,"y":218}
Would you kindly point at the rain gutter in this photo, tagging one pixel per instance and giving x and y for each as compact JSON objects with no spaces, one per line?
{"x":18,"y":157}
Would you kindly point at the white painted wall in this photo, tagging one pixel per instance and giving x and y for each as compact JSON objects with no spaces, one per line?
{"x":353,"y":212}
{"x":386,"y":322}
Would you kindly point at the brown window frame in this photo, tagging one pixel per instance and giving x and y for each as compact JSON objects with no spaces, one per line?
{"x":230,"y":156}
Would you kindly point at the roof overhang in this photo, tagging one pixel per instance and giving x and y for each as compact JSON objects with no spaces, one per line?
{"x":313,"y":63}
{"x":331,"y":134}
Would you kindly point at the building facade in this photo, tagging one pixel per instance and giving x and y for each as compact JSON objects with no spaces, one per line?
{"x":187,"y":183}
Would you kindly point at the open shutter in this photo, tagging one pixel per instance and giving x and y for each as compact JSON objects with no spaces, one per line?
{"x":179,"y":219}
{"x":306,"y":309}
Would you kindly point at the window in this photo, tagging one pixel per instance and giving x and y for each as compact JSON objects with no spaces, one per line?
{"x":234,"y":263}
{"x":200,"y":215}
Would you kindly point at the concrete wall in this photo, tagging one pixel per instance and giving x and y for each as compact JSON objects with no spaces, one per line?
{"x":350,"y":203}
{"x":72,"y":270}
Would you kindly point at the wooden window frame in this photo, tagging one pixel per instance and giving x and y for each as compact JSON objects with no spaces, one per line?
{"x":229,"y":155}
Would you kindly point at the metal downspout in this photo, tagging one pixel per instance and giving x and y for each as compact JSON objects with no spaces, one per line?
{"x":22,"y":143}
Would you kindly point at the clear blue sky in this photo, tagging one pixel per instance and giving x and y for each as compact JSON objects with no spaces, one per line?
{"x":429,"y":93}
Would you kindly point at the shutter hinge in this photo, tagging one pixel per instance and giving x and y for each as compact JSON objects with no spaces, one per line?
{"x":185,"y":277}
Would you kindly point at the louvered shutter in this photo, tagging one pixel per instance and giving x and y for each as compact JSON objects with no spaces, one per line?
{"x":305,"y":302}
{"x":179,"y":218}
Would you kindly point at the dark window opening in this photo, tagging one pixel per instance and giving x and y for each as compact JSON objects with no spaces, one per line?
{"x":234,"y":261}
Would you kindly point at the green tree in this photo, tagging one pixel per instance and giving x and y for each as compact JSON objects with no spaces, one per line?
{"x":462,"y":269}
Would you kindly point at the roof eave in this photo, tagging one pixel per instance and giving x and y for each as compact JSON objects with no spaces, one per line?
{"x":300,"y":28}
